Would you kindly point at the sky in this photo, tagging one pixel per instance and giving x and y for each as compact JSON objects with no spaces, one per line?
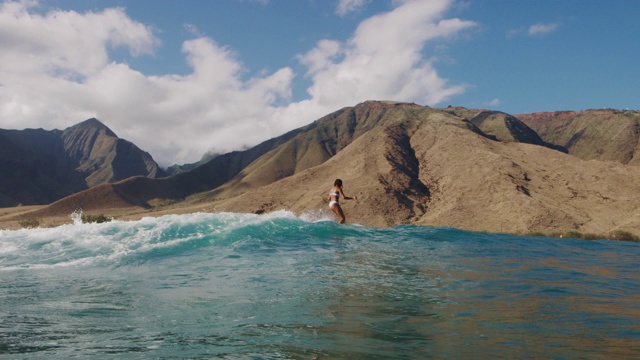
{"x":184,"y":78}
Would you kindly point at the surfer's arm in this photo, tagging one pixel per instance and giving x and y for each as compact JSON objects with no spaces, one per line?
{"x":347,"y":197}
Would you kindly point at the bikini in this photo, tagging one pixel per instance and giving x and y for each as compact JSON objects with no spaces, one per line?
{"x":336,"y":202}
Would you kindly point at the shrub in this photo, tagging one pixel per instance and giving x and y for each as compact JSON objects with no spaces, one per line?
{"x":29,"y":223}
{"x":623,"y":235}
{"x":537,"y":233}
{"x":574,"y":234}
{"x":615,"y":235}
{"x":96,"y":218}
{"x":590,"y":236}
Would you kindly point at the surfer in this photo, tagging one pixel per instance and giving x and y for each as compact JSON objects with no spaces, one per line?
{"x":334,"y":200}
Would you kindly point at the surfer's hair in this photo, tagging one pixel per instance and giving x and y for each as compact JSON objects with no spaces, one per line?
{"x":338,"y":182}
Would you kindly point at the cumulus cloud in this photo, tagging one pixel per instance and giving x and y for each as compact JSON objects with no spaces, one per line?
{"x":383,"y":59}
{"x":66,"y":43}
{"x":47,"y":58}
{"x":56,"y":71}
{"x":541,"y":29}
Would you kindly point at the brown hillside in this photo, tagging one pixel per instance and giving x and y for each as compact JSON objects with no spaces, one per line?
{"x":96,"y":199}
{"x":435,"y":171}
{"x":318,"y":143}
{"x":377,"y":163}
{"x":592,"y":134}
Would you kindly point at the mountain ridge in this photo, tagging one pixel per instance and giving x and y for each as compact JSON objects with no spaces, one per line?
{"x":41,"y":166}
{"x":604,"y":134}
{"x":409,"y":164}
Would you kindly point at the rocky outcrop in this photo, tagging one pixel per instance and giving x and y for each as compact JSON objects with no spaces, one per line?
{"x":503,"y":127}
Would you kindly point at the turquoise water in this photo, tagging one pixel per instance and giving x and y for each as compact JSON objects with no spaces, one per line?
{"x":236,"y":286}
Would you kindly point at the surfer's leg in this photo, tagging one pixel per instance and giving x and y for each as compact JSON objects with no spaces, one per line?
{"x":338,"y":210}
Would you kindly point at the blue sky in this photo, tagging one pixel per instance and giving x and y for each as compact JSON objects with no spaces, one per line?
{"x":182,"y":78}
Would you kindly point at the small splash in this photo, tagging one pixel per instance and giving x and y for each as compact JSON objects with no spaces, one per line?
{"x":317,"y":216}
{"x":76,"y":217}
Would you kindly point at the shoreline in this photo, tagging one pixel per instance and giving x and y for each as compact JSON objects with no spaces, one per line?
{"x":17,"y":218}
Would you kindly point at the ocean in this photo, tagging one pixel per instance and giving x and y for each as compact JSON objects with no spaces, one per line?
{"x":277,"y":286}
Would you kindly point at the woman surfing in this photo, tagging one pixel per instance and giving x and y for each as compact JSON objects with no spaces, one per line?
{"x":334,"y":200}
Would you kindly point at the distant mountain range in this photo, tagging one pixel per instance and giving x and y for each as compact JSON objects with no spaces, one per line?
{"x":39,"y":166}
{"x":409,"y":164}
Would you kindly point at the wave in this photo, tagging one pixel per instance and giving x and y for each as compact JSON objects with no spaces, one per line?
{"x":216,"y":235}
{"x":119,"y":243}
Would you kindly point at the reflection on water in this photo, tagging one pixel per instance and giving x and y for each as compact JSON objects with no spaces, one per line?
{"x":562,"y":302}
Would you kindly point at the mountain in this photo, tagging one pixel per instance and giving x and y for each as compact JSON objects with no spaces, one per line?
{"x":39,"y":166}
{"x":181,"y":168}
{"x":592,"y":134}
{"x":429,"y":167}
{"x":408,"y":164}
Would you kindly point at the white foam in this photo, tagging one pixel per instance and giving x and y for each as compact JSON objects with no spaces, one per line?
{"x":81,"y":244}
{"x":318,"y":215}
{"x":76,"y":217}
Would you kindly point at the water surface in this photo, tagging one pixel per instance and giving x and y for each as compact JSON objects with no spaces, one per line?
{"x":237,"y":286}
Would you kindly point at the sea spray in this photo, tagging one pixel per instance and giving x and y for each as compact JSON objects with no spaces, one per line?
{"x":76,"y":217}
{"x":280,"y":286}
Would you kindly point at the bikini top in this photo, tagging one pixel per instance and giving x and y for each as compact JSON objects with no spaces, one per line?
{"x":336,"y":194}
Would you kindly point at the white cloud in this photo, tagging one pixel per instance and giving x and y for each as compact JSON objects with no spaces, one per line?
{"x":193,"y":30}
{"x":541,"y":29}
{"x":494,"y":102}
{"x":538,"y":29}
{"x":66,"y":42}
{"x":46,"y":58}
{"x":56,"y":71}
{"x":383,"y":59}
{"x":348,"y":6}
